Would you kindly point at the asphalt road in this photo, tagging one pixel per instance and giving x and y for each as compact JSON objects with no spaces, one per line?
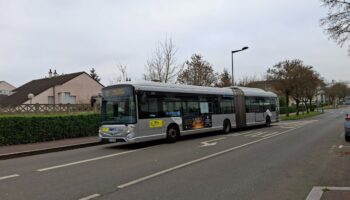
{"x":280,"y":162}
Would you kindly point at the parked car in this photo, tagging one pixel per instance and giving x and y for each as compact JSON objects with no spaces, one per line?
{"x":347,"y":102}
{"x":347,"y":127}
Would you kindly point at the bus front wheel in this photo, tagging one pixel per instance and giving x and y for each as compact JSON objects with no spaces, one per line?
{"x":172,"y":134}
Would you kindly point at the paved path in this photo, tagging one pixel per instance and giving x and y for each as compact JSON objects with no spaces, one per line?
{"x":284,"y":161}
{"x":50,"y":146}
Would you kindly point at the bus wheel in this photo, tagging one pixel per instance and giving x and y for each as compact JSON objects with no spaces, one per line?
{"x":268,"y":121}
{"x":104,"y":141}
{"x":172,"y":134}
{"x":227,"y":126}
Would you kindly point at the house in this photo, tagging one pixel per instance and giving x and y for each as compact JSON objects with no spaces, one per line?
{"x":6,"y":88}
{"x":75,"y":88}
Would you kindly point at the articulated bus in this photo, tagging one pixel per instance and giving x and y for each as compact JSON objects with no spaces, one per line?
{"x":143,"y":111}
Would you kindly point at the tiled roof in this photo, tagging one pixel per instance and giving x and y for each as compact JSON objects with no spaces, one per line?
{"x":36,"y":87}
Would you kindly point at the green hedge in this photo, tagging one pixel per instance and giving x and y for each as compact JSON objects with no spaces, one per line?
{"x":283,"y":110}
{"x":30,"y":129}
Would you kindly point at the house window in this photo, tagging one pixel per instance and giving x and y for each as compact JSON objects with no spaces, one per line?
{"x":67,"y":98}
{"x":50,"y":99}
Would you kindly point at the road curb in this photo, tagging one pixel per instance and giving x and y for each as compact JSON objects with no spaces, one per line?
{"x":47,"y":150}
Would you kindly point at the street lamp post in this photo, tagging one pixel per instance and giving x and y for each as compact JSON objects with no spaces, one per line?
{"x":232,"y":52}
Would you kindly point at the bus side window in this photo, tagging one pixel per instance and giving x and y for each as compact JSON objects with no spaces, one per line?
{"x":190,"y":108}
{"x":149,"y":106}
{"x":143,"y":106}
{"x":273,"y":104}
{"x":216,"y":105}
{"x":226,"y":106}
{"x":206,"y":107}
{"x":247,"y":105}
{"x":171,"y":109}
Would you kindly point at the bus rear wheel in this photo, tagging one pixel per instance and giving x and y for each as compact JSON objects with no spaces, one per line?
{"x":268,"y":121}
{"x":347,"y":138}
{"x":172,"y":134}
{"x":227,"y":126}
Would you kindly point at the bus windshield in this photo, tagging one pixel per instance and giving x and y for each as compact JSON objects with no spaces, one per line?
{"x":118,"y":106}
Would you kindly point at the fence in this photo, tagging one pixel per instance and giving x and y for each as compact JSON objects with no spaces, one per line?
{"x":47,"y":108}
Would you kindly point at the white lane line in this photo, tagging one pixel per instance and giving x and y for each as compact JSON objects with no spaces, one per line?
{"x":208,"y":144}
{"x":195,"y":161}
{"x":258,"y":134}
{"x":287,"y":127}
{"x":88,"y":160}
{"x":214,"y":140}
{"x":341,"y":146}
{"x":315,"y":194}
{"x":90,"y":197}
{"x":269,"y":134}
{"x":10,"y":176}
{"x":247,"y":135}
{"x":317,"y":191}
{"x":238,"y":134}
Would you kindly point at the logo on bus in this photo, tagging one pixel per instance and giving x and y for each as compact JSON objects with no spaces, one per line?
{"x":156,"y":123}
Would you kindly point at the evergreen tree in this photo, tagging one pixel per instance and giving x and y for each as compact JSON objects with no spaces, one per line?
{"x":198,"y":72}
{"x":94,"y":75}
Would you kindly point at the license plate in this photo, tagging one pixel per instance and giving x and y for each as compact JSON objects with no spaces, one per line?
{"x":112,"y":140}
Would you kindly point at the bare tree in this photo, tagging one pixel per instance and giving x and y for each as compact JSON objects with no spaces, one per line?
{"x":163,"y":66}
{"x":248,"y":81}
{"x":283,"y":76}
{"x":123,"y":77}
{"x":311,"y":84}
{"x":336,"y":92}
{"x":337,"y":22}
{"x":198,"y":72}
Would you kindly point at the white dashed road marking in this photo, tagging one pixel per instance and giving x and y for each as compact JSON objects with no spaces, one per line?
{"x":10,"y":176}
{"x":211,"y":142}
{"x":88,"y":160}
{"x":90,"y":197}
{"x":258,"y":134}
{"x":316,"y":192}
{"x":195,"y":161}
{"x":238,"y":134}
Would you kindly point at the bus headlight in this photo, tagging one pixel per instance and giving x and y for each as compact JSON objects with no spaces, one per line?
{"x":130,"y":129}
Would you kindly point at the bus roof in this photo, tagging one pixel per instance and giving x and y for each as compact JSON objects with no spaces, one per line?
{"x":176,"y":88}
{"x":255,"y":92}
{"x":179,"y":88}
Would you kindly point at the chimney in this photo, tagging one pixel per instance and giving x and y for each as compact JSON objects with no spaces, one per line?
{"x":50,"y":74}
{"x":55,"y":74}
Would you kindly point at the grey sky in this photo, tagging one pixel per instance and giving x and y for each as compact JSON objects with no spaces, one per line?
{"x":76,"y":35}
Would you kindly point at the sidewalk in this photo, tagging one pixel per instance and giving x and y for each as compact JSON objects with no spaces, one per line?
{"x":12,"y":151}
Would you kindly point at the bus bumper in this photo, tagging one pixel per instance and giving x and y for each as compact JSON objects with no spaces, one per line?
{"x":105,"y":138}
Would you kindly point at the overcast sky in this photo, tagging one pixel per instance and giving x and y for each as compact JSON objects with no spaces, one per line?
{"x":72,"y":36}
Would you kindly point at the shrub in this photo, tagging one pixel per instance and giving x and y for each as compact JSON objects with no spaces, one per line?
{"x":30,"y":129}
{"x":283,"y":110}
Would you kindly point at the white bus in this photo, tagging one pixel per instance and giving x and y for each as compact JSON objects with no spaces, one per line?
{"x":142,"y":111}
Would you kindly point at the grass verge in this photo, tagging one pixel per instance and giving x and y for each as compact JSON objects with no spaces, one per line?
{"x":293,"y":116}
